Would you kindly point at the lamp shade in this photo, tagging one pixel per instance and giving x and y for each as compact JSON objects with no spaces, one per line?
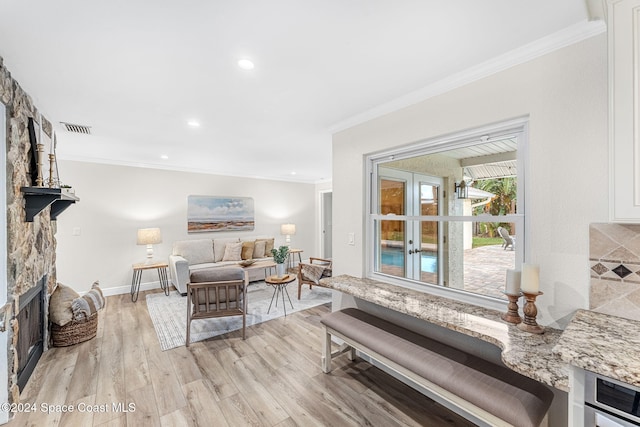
{"x":288,"y":229}
{"x":149,"y":236}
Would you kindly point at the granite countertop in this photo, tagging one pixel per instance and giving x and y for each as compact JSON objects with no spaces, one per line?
{"x":528,"y":354}
{"x":604,"y":344}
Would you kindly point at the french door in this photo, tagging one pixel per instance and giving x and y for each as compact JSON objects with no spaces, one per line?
{"x":407,"y":248}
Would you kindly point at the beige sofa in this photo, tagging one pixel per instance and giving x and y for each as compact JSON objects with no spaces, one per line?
{"x":197,"y":254}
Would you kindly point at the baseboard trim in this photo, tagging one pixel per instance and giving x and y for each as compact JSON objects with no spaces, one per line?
{"x":119,"y":290}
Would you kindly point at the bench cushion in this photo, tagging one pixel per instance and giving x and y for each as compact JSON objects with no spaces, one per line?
{"x":500,"y":391}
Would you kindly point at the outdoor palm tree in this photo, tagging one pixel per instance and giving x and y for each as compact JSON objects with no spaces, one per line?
{"x":503,"y":203}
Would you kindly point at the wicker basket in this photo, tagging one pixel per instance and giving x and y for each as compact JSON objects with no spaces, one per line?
{"x":74,"y":332}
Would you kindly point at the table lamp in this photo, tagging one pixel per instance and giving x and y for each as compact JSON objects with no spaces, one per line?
{"x":288,"y":230}
{"x":149,"y":237}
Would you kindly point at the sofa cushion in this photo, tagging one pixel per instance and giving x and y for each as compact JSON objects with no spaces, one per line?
{"x":195,"y":251}
{"x":201,"y":266}
{"x":259,"y":249}
{"x":232,"y":252}
{"x":219,"y":245}
{"x":247,"y":250}
{"x":60,"y":311}
{"x":217,"y":274}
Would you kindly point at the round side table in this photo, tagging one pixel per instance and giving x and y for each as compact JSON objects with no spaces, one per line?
{"x":280,"y":287}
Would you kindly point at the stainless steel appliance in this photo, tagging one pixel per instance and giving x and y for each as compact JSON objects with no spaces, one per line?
{"x":610,"y":403}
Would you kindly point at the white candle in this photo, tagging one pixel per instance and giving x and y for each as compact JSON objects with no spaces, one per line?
{"x":530,"y":278}
{"x":513,"y":282}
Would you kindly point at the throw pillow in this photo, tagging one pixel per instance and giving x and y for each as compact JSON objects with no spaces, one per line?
{"x":232,"y":252}
{"x":89,"y":303}
{"x":258,"y":249}
{"x":247,"y":250}
{"x":268,"y":245}
{"x":219,"y":246}
{"x":312,"y":272}
{"x":60,"y":305}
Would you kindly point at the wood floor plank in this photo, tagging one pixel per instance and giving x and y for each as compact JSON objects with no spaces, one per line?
{"x":84,"y":382}
{"x":145,"y":411}
{"x":213,"y":374}
{"x":82,"y":415}
{"x":110,"y":373}
{"x":184,"y":365}
{"x":203,"y":405}
{"x":238,"y":412}
{"x":262,"y":401}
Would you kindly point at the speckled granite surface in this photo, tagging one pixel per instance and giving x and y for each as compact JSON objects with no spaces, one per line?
{"x":604,"y":344}
{"x":526,"y":353}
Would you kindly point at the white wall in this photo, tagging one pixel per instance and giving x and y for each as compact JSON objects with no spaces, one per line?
{"x":115,"y":201}
{"x":564,"y":93}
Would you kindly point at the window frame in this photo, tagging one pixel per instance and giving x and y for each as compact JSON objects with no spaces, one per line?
{"x":516,"y":127}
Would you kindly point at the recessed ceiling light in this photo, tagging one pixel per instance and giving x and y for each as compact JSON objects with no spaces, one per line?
{"x":164,"y":157}
{"x":245,"y":64}
{"x":193,"y":123}
{"x":293,"y":172}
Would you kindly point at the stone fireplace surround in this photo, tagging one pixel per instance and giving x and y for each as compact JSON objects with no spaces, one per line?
{"x":31,"y":246}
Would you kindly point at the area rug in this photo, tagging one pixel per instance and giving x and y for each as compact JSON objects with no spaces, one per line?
{"x":169,"y":313}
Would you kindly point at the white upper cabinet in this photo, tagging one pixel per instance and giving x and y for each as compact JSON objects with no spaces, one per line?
{"x":623,"y":27}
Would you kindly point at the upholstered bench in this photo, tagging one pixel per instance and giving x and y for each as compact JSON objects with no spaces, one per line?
{"x":491,"y":393}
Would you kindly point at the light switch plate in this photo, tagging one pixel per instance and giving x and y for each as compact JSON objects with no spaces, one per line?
{"x":352,"y":238}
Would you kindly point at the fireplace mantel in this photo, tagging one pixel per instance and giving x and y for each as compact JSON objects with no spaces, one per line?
{"x":38,"y":198}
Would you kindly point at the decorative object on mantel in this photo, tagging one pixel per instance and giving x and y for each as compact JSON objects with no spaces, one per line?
{"x":279,"y":257}
{"x":512,"y":291}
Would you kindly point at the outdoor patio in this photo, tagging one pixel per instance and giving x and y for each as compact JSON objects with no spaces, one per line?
{"x":485,"y":269}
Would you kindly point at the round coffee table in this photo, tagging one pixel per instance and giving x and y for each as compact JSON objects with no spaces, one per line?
{"x":280,"y":287}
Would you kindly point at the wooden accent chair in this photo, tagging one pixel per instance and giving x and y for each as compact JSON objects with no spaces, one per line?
{"x":310,"y":273}
{"x":216,"y":292}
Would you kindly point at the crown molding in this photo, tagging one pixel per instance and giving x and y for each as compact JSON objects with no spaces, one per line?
{"x":528,"y":52}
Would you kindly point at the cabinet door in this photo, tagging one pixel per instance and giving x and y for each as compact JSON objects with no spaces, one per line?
{"x":623,"y":22}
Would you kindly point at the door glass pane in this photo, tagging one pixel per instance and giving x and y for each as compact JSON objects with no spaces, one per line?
{"x":429,"y":234}
{"x":391,"y":248}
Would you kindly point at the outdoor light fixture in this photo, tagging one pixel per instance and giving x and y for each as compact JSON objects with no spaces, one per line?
{"x":462,"y":190}
{"x":149,"y":237}
{"x":288,"y":230}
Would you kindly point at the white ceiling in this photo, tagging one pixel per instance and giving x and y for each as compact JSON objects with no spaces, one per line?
{"x":136,"y":71}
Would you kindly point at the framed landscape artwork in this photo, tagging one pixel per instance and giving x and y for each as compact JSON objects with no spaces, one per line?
{"x":216,"y":213}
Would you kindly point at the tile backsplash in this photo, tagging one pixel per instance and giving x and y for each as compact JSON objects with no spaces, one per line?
{"x":614,"y":267}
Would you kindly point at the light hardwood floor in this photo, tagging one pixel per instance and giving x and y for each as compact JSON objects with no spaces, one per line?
{"x":273,"y":378}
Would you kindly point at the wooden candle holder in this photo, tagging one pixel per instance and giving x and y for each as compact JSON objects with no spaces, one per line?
{"x":529,"y":323}
{"x":512,"y":315}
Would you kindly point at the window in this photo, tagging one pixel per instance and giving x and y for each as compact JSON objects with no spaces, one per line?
{"x":447,"y":214}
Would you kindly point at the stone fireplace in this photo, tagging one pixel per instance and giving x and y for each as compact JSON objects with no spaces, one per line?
{"x":30,"y":246}
{"x":32,"y":333}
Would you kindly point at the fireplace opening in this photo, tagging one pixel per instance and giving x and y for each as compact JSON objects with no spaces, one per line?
{"x":30,"y":344}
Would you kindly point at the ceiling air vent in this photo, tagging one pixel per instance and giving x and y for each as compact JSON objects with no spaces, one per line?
{"x":77,"y":128}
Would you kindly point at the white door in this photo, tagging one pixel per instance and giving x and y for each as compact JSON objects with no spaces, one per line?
{"x":409,"y":249}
